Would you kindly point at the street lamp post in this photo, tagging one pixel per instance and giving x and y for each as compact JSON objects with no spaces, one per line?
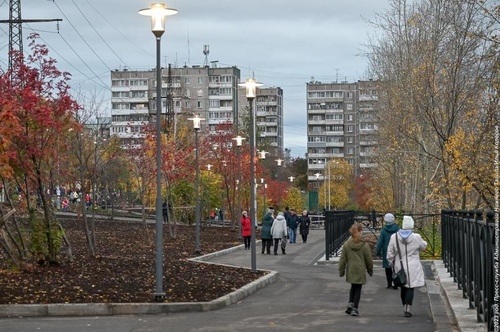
{"x":158,"y":12}
{"x":279,"y":161}
{"x":239,"y":143}
{"x":251,"y":92}
{"x":317,"y":183}
{"x":197,"y":126}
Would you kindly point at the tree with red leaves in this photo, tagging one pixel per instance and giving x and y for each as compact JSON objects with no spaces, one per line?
{"x":35,"y":95}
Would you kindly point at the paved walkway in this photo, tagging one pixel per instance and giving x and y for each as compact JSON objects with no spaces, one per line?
{"x":308,"y":295}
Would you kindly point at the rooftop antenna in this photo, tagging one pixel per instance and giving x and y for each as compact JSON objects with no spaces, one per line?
{"x":189,"y":52}
{"x":206,"y":51}
{"x":336,"y":75}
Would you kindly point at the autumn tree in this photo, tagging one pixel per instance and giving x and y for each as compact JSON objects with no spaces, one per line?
{"x":37,"y":94}
{"x":436,"y":73}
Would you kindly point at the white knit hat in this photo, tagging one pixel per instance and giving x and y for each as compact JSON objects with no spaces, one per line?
{"x":408,"y":222}
{"x":389,"y":218}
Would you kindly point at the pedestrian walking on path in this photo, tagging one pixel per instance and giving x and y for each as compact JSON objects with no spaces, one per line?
{"x":265,"y":232}
{"x":407,"y":256}
{"x":356,"y":260}
{"x":383,"y":242}
{"x":305,"y":222}
{"x":246,"y":229}
{"x":279,"y":233}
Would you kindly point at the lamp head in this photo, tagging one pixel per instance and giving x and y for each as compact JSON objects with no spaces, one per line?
{"x":158,"y":12}
{"x":317,"y":175}
{"x":196,"y":122}
{"x":239,"y":140}
{"x":279,"y":161}
{"x":251,"y":88}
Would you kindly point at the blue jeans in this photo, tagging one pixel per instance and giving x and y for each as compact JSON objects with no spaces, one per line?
{"x":292,"y":235}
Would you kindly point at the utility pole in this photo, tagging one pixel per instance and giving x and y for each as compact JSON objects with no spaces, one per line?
{"x":16,"y":27}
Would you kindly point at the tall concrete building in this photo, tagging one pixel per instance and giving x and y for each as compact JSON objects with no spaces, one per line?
{"x":211,"y":92}
{"x":269,"y":120}
{"x":340,"y":124}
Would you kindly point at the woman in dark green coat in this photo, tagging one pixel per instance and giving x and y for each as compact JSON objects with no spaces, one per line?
{"x":383,"y":242}
{"x":355,"y":261}
{"x":265,"y":232}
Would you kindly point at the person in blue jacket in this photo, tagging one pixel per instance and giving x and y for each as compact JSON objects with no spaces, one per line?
{"x":389,"y":228}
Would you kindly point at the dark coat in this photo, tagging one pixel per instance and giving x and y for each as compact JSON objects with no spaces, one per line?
{"x":267,"y":223}
{"x":293,"y":221}
{"x":383,"y":243}
{"x":355,"y":261}
{"x":305,"y":222}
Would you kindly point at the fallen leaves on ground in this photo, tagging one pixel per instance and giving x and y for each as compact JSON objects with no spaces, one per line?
{"x":123,"y":270}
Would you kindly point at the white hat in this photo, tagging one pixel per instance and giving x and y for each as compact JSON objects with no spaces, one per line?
{"x":408,"y":222}
{"x":389,"y":218}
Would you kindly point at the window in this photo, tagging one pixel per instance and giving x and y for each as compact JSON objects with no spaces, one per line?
{"x":349,"y":117}
{"x":350,"y":150}
{"x":350,"y":139}
{"x":199,"y":93}
{"x":350,"y":129}
{"x":186,"y":80}
{"x":366,"y":126}
{"x":349,"y":107}
{"x":138,"y":94}
{"x":214,"y":103}
{"x":316,"y":118}
{"x":200,"y":80}
{"x":335,"y":116}
{"x":349,"y":95}
{"x":199,"y":104}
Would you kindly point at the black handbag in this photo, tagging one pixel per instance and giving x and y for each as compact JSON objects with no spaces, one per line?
{"x":399,"y":278}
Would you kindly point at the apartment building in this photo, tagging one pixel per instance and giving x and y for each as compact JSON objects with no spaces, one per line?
{"x":340,"y":124}
{"x":269,"y":120}
{"x":211,"y":92}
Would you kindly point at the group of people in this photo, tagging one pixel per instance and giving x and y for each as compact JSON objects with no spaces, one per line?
{"x":399,"y":248}
{"x":277,"y":231}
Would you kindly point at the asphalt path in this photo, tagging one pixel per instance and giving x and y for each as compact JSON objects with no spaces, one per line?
{"x":306,"y":297}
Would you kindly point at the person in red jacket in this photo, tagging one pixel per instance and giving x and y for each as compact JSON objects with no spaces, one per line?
{"x":246,"y":229}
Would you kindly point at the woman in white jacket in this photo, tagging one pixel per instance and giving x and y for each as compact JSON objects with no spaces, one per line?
{"x":410,"y":244}
{"x":279,"y":232}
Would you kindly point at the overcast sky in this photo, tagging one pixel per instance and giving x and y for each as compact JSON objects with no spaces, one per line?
{"x":283,"y":42}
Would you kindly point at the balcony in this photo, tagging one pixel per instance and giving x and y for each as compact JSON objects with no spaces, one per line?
{"x":316,"y":111}
{"x":368,"y":165}
{"x":334,"y":122}
{"x":367,"y":143}
{"x":266,"y":103}
{"x":368,"y":98}
{"x":335,"y":144}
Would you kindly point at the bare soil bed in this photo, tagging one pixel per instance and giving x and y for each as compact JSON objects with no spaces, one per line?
{"x":124,"y":269}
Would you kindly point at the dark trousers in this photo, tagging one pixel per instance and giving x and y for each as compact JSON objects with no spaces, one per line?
{"x":355,"y":294}
{"x":276,"y":245}
{"x":266,"y":245}
{"x":246,"y":240}
{"x":388,"y":276}
{"x":407,"y":295}
{"x":304,"y":237}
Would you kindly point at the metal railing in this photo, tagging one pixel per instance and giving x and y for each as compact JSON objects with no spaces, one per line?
{"x":468,"y":253}
{"x":337,"y":224}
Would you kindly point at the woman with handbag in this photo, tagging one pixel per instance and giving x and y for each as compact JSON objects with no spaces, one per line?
{"x":403,"y":253}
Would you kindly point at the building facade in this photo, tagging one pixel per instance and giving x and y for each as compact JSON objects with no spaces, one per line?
{"x":340,"y":124}
{"x":211,"y":92}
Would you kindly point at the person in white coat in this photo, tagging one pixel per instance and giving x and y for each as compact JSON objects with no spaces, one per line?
{"x":410,"y":244}
{"x":279,"y":232}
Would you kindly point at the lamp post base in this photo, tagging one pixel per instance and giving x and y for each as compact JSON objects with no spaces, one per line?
{"x":159,"y":297}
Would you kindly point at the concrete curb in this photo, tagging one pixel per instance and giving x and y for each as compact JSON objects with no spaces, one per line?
{"x":108,"y":309}
{"x":466,"y":318}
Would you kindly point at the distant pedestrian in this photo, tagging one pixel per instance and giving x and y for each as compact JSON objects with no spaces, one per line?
{"x":246,"y":229}
{"x":165,"y":211}
{"x":292,"y":224}
{"x":265,"y":232}
{"x":355,"y":261}
{"x":383,"y":242}
{"x":305,"y":222}
{"x":279,"y":233}
{"x":410,"y":246}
